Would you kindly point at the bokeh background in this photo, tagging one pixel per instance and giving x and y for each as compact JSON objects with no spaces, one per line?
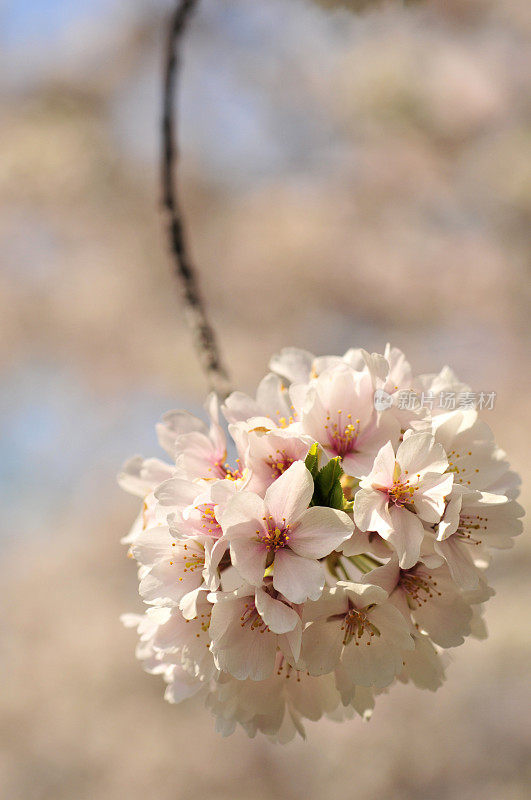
{"x":349,"y":179}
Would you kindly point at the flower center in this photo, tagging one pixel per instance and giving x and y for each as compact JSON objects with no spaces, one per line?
{"x":275,"y":537}
{"x":285,"y":669}
{"x":460,"y":471}
{"x":469,"y":525}
{"x":208,"y":519}
{"x":190,"y":561}
{"x":342,"y":434}
{"x":224,"y":470}
{"x":356,"y":624}
{"x":252,"y":618}
{"x":203,"y":620}
{"x":401,"y":492}
{"x":279,"y":463}
{"x":418,"y":588}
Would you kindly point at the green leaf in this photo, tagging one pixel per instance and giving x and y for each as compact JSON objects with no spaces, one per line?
{"x":312,"y":460}
{"x":327,"y":486}
{"x":329,"y":476}
{"x":336,"y":497}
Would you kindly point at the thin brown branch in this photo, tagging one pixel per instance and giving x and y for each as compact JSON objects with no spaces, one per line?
{"x":202,"y":331}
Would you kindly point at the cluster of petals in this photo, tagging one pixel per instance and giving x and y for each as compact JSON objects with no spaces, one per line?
{"x":304,"y":549}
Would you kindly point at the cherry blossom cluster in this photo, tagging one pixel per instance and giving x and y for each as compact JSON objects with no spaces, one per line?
{"x":305,"y":549}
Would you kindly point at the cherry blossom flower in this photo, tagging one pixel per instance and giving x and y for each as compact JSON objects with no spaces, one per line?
{"x":271,"y":408}
{"x":473,"y":523}
{"x":403,"y":491}
{"x":269,"y":453}
{"x":281,"y":532}
{"x":199,"y":450}
{"x":357,"y":633}
{"x":247,"y":627}
{"x":344,"y":552}
{"x":339,"y":414}
{"x":430,"y":600}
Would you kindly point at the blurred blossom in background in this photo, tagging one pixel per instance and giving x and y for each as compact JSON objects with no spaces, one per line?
{"x":349,"y":179}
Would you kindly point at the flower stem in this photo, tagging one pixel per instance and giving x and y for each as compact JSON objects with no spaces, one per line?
{"x":203,"y":333}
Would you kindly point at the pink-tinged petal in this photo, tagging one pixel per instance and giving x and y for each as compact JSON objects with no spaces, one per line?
{"x":405,"y":536}
{"x":459,"y":559}
{"x":332,"y":601}
{"x":363,"y":594}
{"x":170,"y":635}
{"x":298,"y":579}
{"x":376,"y":665}
{"x":174,"y":424}
{"x":289,"y":496}
{"x":249,"y":558}
{"x":182,"y":686}
{"x":387,"y":576}
{"x":430,"y":501}
{"x":273,"y":398}
{"x":423,"y":665}
{"x":356,"y":544}
{"x":242,"y":515}
{"x":227,"y":608}
{"x":279,"y":617}
{"x":292,"y":364}
{"x":321,"y":646}
{"x":188,"y":604}
{"x":290,"y":644}
{"x":243,"y":651}
{"x":371,"y":512}
{"x":450,"y":522}
{"x":446,"y":623}
{"x":418,"y":453}
{"x":214,"y":552}
{"x":358,"y":464}
{"x":152,"y":545}
{"x":239,"y":407}
{"x":319,"y":532}
{"x":250,"y":655}
{"x":162,"y":583}
{"x":177,"y":492}
{"x":140,"y":476}
{"x":382,"y":471}
{"x":390,"y":622}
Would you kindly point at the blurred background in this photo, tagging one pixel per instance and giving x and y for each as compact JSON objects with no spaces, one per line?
{"x":349,"y":179}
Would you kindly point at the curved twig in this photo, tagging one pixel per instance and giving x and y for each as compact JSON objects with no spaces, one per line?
{"x":203,"y":333}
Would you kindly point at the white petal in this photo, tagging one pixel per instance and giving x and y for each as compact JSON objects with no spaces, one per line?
{"x":289,"y":496}
{"x":249,"y":558}
{"x":419,"y":453}
{"x":152,"y":545}
{"x":174,"y":424}
{"x":423,"y":665}
{"x":177,"y":492}
{"x":293,"y":364}
{"x":279,"y":617}
{"x":383,"y":468}
{"x":406,"y":536}
{"x":297,"y":578}
{"x":387,"y":576}
{"x":363,"y":594}
{"x":371,"y":511}
{"x":322,"y":644}
{"x":431,"y":498}
{"x":243,"y":512}
{"x":320,"y":531}
{"x":459,"y":559}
